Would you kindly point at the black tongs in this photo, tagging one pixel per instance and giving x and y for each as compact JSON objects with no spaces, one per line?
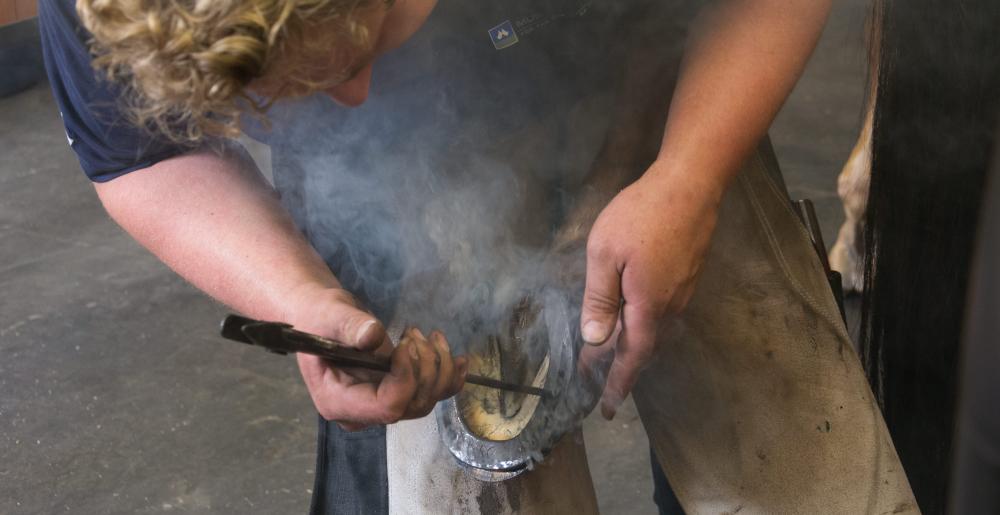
{"x":282,"y":339}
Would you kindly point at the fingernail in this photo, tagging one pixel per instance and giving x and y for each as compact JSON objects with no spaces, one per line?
{"x":363,"y":330}
{"x":418,"y":333}
{"x":594,"y":332}
{"x":412,"y":349}
{"x":607,"y":411}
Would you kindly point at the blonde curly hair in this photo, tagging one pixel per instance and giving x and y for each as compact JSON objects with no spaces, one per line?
{"x":186,"y":64}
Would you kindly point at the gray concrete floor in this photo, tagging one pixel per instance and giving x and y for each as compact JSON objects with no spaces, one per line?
{"x":116,"y":397}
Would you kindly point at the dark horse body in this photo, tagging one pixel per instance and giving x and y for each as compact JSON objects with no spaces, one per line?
{"x":933,"y":140}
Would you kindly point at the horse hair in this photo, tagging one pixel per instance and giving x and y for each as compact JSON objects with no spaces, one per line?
{"x":935,"y":117}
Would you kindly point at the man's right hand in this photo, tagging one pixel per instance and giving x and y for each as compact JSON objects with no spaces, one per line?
{"x":212,"y":217}
{"x":423,"y":370}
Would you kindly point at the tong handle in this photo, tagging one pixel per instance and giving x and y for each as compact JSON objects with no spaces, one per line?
{"x":283,"y":339}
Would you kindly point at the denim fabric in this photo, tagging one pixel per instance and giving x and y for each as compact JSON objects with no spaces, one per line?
{"x":664,"y":496}
{"x":350,"y":472}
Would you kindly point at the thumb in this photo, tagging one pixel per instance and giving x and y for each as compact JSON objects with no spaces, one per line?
{"x":601,"y":300}
{"x":354,"y":327}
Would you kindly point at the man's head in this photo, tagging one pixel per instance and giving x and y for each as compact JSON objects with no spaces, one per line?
{"x":191,"y":65}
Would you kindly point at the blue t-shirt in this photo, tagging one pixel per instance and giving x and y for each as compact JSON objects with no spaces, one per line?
{"x":106,"y":143}
{"x":459,"y":138}
{"x":489,"y":106}
{"x":504,"y":96}
{"x":526,"y":58}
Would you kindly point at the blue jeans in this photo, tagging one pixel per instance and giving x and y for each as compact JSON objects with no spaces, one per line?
{"x":351,"y":477}
{"x":663,"y":495}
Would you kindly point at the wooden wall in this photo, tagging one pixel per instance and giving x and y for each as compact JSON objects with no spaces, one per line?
{"x":16,"y":10}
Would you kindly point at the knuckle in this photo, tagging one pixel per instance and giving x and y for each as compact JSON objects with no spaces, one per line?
{"x":439,"y":341}
{"x":624,"y":363}
{"x":342,"y":296}
{"x":391,"y":414}
{"x":634,"y":357}
{"x":598,"y":249}
{"x":601,"y":302}
{"x":651,"y":308}
{"x":642,"y":355}
{"x":328,"y":414}
{"x":655,"y":305}
{"x":423,"y":409}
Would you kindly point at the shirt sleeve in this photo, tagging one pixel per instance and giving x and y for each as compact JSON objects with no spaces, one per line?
{"x":106,"y":143}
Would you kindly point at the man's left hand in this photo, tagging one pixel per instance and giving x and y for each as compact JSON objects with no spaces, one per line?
{"x":644,"y":253}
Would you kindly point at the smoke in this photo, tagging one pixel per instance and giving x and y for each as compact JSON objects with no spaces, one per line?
{"x":449,"y":243}
{"x":441,"y":223}
{"x":436,"y":201}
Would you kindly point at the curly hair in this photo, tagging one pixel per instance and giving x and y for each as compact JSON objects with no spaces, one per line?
{"x":185,"y":64}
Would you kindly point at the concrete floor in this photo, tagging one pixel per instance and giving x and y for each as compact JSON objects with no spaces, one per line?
{"x":116,"y":397}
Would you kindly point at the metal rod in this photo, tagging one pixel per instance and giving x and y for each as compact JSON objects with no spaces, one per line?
{"x":282,"y":339}
{"x":501,"y":385}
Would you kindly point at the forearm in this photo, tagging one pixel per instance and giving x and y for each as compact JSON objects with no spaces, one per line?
{"x":633,"y":139}
{"x":743,"y":58}
{"x":214,"y":220}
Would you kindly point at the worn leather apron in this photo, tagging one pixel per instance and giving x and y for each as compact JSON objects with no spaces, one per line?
{"x":755,"y":403}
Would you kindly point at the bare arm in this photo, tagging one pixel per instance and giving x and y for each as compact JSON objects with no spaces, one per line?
{"x":646,"y":247}
{"x":743,"y":59}
{"x":214,"y":219}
